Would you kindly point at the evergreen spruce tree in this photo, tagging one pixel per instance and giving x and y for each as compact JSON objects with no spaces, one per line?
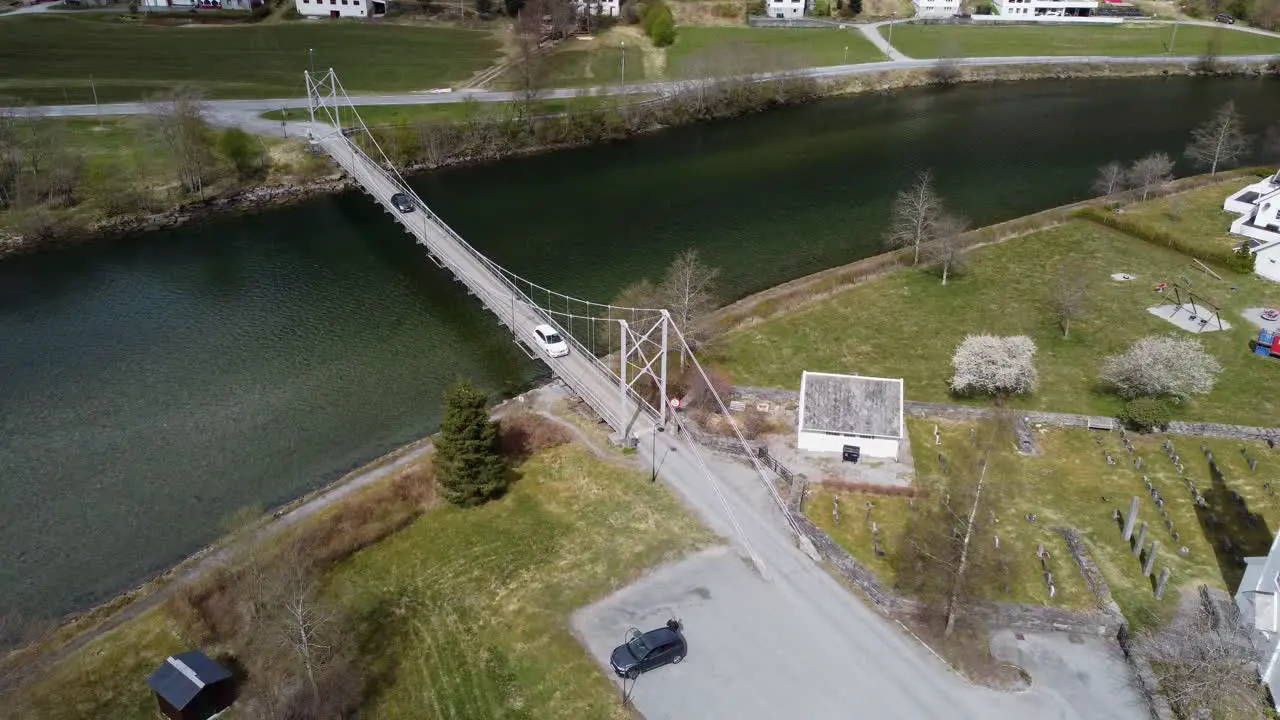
{"x":469,"y":462}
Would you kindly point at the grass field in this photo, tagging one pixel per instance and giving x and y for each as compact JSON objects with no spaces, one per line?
{"x":1195,"y":217}
{"x":49,"y":60}
{"x":463,"y":614}
{"x":703,"y":51}
{"x":1070,"y":484}
{"x":907,"y":325}
{"x":927,"y":41}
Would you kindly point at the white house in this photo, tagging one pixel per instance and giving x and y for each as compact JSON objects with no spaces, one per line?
{"x":183,"y":5}
{"x":785,"y":9}
{"x":839,"y":410}
{"x":341,"y":8}
{"x":1258,"y":206}
{"x":936,"y":8}
{"x":1032,"y":9}
{"x":1256,"y":600}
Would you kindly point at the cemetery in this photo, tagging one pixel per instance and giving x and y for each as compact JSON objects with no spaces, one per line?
{"x":1159,"y":515}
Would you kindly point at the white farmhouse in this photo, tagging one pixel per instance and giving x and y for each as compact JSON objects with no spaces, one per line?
{"x":198,"y":5}
{"x":1033,"y":9}
{"x":840,"y":410}
{"x":1258,"y":206}
{"x":785,"y":9}
{"x":1256,"y":600}
{"x":341,"y":8}
{"x":936,"y":8}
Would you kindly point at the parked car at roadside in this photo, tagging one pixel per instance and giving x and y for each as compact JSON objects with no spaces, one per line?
{"x":1225,"y":18}
{"x":646,"y":651}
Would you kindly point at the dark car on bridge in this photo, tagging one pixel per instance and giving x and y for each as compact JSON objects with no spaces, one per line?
{"x":402,"y":202}
{"x":643,"y":652}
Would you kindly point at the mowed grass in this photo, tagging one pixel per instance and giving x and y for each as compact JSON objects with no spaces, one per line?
{"x":104,"y":679}
{"x":466,"y":612}
{"x":908,"y":324}
{"x":1195,"y":217}
{"x":928,"y":41}
{"x":712,"y":51}
{"x":49,"y":59}
{"x":1070,"y":484}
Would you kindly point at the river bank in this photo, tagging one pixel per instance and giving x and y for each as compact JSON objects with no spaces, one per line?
{"x":495,"y":134}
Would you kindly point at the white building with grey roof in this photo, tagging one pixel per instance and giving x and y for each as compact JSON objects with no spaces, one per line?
{"x":839,"y":410}
{"x":1256,"y":601}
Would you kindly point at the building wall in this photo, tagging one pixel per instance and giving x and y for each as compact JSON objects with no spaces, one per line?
{"x":936,"y":8}
{"x":870,"y":447}
{"x":785,"y":9}
{"x":1040,"y":8}
{"x":1267,"y":263}
{"x":325,"y":8}
{"x":610,"y":8}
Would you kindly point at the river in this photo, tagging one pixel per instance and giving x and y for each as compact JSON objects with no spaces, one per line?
{"x":150,"y":387}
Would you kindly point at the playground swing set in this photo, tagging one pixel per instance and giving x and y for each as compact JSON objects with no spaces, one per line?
{"x":1201,"y":311}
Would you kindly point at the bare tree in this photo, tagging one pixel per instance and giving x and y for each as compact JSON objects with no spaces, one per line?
{"x":1203,"y":660}
{"x":946,"y":251}
{"x":1070,"y":295}
{"x":915,"y":215}
{"x":946,"y":71}
{"x":179,"y":122}
{"x":1220,"y":141}
{"x":688,"y":292}
{"x":1150,"y":173}
{"x":564,"y":17}
{"x":1110,"y":180}
{"x":531,"y":74}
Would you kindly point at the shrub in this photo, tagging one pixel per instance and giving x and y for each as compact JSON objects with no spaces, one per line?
{"x":1161,"y":366}
{"x":993,"y":365}
{"x":1146,"y":413}
{"x":698,"y":396}
{"x":658,"y":22}
{"x":243,"y":151}
{"x":525,"y":433}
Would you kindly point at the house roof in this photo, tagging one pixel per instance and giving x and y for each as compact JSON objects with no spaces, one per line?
{"x":850,"y":404}
{"x":182,"y":677}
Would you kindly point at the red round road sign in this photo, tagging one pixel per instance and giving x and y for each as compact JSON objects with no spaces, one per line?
{"x":676,"y":403}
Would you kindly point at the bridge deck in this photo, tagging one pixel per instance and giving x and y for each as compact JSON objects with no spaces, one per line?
{"x":584,"y":373}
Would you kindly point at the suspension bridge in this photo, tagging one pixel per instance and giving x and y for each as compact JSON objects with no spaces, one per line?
{"x":618,"y":359}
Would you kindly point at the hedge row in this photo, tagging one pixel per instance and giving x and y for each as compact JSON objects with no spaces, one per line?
{"x":1229,"y":259}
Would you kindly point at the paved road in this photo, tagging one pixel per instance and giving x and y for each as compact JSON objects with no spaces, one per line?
{"x":871,"y":31}
{"x":795,"y":643}
{"x":244,"y":113}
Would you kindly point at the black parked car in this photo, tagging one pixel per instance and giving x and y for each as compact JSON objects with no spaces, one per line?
{"x":1225,"y":18}
{"x":402,"y":202}
{"x":651,"y":650}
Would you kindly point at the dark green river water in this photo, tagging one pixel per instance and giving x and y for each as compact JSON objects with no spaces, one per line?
{"x":150,"y":387}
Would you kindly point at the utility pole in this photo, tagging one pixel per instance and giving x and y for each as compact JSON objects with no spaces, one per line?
{"x":97,"y":109}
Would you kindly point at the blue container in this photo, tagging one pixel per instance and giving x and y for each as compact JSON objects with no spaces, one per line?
{"x":1263,"y":350}
{"x":1266,"y":338}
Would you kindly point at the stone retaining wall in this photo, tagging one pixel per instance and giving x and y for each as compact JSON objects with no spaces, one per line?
{"x":762,"y":21}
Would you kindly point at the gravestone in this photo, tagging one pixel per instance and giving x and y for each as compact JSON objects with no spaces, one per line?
{"x":835,"y":509}
{"x":1164,"y":580}
{"x":1137,"y":464}
{"x":1150,"y":564}
{"x":1253,"y":464}
{"x":1110,"y":460}
{"x":1142,"y":539}
{"x":1131,"y":519}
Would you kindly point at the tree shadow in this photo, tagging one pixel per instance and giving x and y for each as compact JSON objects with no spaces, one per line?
{"x":1234,"y":531}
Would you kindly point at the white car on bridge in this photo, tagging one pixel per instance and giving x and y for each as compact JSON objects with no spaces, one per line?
{"x":549,"y":339}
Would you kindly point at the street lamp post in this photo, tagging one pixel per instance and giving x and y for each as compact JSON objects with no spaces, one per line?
{"x":624,"y":64}
{"x":653,"y":454}
{"x":1174,"y":38}
{"x":311,"y":59}
{"x":895,"y":17}
{"x":846,"y":55}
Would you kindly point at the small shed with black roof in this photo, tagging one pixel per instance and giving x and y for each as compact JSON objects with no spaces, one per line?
{"x":191,"y":686}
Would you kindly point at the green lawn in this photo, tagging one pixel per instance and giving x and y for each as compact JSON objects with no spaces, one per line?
{"x":582,"y":64}
{"x":465,"y":613}
{"x":926,"y":41}
{"x":710,"y":51}
{"x":1196,"y":217}
{"x":1071,"y":484}
{"x":49,"y":59}
{"x":907,"y":325}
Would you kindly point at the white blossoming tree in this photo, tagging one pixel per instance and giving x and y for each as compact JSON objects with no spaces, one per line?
{"x":994,"y":365}
{"x":1161,"y":366}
